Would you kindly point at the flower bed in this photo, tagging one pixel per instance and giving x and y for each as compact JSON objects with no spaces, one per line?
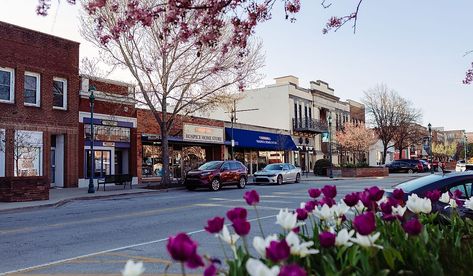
{"x":361,"y":172}
{"x":363,"y":234}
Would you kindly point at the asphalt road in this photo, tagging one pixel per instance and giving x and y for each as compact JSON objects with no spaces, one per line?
{"x":96,"y":237}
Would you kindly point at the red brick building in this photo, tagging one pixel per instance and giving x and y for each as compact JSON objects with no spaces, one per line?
{"x":115,"y":126}
{"x":39,"y":110}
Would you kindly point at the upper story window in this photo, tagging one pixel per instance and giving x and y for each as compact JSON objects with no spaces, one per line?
{"x":32,"y":89}
{"x":7,"y":85}
{"x":59,"y":93}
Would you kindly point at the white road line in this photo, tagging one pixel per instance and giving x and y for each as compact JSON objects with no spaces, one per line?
{"x":105,"y":251}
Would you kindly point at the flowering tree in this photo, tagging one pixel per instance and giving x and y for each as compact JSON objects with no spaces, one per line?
{"x":356,"y":138}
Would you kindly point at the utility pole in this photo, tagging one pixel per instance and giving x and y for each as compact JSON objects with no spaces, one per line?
{"x":233,"y":119}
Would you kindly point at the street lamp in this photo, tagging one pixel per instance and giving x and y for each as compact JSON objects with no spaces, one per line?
{"x":465,"y":144}
{"x":330,"y":144}
{"x":92,"y":158}
{"x":430,"y":149}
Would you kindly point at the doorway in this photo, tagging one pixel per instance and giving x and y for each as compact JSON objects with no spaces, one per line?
{"x":57,"y":161}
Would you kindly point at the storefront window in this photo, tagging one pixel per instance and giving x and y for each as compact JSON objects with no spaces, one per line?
{"x":108,"y":133}
{"x":28,"y":148}
{"x":102,"y":163}
{"x":152,"y":163}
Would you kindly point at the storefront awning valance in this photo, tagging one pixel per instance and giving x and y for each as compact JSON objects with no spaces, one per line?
{"x":259,"y":140}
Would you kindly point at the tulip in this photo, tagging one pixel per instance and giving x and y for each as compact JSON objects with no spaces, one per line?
{"x":292,"y":270}
{"x":183,"y":249}
{"x":257,"y":268}
{"x":298,"y":248}
{"x":375,"y":193}
{"x":301,"y":214}
{"x":278,"y":251}
{"x":367,"y":202}
{"x":329,"y":191}
{"x":251,"y":197}
{"x":418,"y":205}
{"x":314,"y":193}
{"x":340,"y":209}
{"x":260,"y":244}
{"x":457,"y":194}
{"x":242,"y":226}
{"x":412,"y":226}
{"x":434,"y":195}
{"x":211,"y":270}
{"x":309,"y":206}
{"x":237,"y":212}
{"x":195,"y":261}
{"x":468,"y":204}
{"x":398,"y":211}
{"x":133,"y":269}
{"x":214,"y":225}
{"x":327,"y":200}
{"x":327,"y":239}
{"x":324,"y":212}
{"x":225,"y":236}
{"x":386,"y":207}
{"x":286,"y":219}
{"x":398,"y":194}
{"x":445,"y":198}
{"x":453,"y":203}
{"x":367,"y":241}
{"x":365,"y":223}
{"x":351,"y":199}
{"x":343,"y":237}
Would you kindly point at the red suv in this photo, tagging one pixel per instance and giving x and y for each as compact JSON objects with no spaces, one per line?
{"x":215,"y":174}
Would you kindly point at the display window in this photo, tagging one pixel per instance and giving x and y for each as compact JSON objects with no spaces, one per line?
{"x":27,"y":154}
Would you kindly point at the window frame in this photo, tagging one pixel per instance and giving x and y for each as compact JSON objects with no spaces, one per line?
{"x":12,"y":84}
{"x":38,"y":88}
{"x":64,"y":99}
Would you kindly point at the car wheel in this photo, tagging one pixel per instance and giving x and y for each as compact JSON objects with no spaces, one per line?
{"x":242,"y":182}
{"x":279,"y":180}
{"x":298,"y":178}
{"x":410,"y":171}
{"x":215,"y":185}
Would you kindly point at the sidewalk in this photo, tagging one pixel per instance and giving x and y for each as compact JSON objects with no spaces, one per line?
{"x":60,"y":196}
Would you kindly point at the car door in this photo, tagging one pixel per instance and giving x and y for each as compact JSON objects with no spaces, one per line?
{"x":225,"y":173}
{"x":288,"y":172}
{"x":234,"y":168}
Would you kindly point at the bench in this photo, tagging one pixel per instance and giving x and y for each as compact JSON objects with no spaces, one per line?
{"x":117,"y":179}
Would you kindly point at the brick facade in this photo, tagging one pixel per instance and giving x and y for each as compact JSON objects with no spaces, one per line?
{"x":26,"y":50}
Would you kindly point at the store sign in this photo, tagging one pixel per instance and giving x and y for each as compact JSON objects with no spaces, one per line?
{"x":108,"y":144}
{"x":265,"y":140}
{"x":204,"y":134}
{"x":109,"y":123}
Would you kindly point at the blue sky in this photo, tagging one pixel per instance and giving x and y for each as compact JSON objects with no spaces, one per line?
{"x":415,"y":47}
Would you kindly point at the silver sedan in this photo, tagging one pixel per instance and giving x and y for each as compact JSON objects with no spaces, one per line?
{"x":278,"y":173}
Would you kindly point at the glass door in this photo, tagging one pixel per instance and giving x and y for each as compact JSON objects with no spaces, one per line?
{"x":53,"y":167}
{"x":102,"y":163}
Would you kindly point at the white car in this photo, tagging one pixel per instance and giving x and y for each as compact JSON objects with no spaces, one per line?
{"x":461,"y":166}
{"x":279,"y":173}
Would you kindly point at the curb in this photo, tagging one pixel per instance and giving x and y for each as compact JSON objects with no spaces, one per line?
{"x":67,"y":200}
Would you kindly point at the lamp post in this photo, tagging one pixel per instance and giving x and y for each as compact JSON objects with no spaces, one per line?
{"x":430,"y":149}
{"x":330,"y":144}
{"x":92,"y":157}
{"x":465,"y":144}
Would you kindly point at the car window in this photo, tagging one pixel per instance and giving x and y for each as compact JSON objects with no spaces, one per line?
{"x":292,"y":167}
{"x":286,"y":167}
{"x":226,"y":166}
{"x":459,"y":187}
{"x":234,"y":166}
{"x":469,"y":189}
{"x":211,"y":165}
{"x":274,"y":167}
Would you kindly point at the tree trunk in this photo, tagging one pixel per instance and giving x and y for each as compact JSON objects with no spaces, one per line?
{"x":385,"y":152}
{"x":400,"y":153}
{"x":166,"y":176}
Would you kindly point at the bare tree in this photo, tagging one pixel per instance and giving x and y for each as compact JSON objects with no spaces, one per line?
{"x":409,"y":134}
{"x":25,"y":149}
{"x":388,"y":113}
{"x":2,"y":140}
{"x":173,"y":76}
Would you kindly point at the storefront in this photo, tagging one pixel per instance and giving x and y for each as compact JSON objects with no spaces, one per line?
{"x":197,"y":145}
{"x":256,"y":149}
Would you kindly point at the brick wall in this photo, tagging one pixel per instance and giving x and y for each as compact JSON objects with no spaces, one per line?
{"x":110,"y":87}
{"x":19,"y":189}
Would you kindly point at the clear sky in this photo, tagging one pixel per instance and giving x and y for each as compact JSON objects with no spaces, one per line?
{"x":415,"y":47}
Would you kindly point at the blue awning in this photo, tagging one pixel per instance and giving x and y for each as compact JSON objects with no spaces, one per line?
{"x":259,"y":140}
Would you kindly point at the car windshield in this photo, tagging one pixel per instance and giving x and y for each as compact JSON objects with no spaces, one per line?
{"x":417,"y":183}
{"x":273,"y":167}
{"x":211,"y":165}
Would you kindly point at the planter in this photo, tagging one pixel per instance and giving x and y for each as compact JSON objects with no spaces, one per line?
{"x":363,"y":172}
{"x":20,"y":189}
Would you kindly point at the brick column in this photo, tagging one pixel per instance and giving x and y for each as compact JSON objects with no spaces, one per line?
{"x":9,"y":152}
{"x":47,"y":156}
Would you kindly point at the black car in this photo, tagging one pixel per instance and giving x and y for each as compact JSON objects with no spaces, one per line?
{"x":407,"y":165}
{"x":462,"y":181}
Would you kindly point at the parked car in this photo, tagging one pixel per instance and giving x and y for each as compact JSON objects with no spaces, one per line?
{"x":450,"y":182}
{"x":461,"y":166}
{"x":405,"y":166}
{"x":278,"y":173}
{"x":215,"y":174}
{"x":426,"y":165}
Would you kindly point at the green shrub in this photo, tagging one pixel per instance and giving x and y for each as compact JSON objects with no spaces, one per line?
{"x":321,"y":166}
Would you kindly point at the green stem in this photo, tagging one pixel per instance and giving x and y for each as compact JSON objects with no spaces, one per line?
{"x":183,"y":269}
{"x":245,"y":244}
{"x":223,"y":248}
{"x":259,"y":222}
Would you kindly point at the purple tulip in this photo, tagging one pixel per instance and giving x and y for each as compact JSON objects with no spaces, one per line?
{"x":183,"y":249}
{"x":351,"y":199}
{"x":278,"y":251}
{"x":211,"y":270}
{"x":292,"y":270}
{"x":329,"y":191}
{"x":237,"y":212}
{"x":242,"y":226}
{"x":296,"y":229}
{"x":434,"y":195}
{"x":367,"y":202}
{"x":251,"y":197}
{"x":412,"y":226}
{"x":310,"y":206}
{"x":389,"y":217}
{"x":375,"y":193}
{"x":365,"y":223}
{"x":327,"y":200}
{"x":195,"y":261}
{"x":386,"y":207}
{"x":398,"y":194}
{"x":314,"y":193}
{"x":327,"y":239}
{"x":457,"y":194}
{"x":214,"y":225}
{"x":301,"y":214}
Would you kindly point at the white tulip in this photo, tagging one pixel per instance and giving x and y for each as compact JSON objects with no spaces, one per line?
{"x":133,"y":269}
{"x":257,"y":268}
{"x":343,"y":237}
{"x":286,"y":219}
{"x":340,"y":209}
{"x":324,"y":213}
{"x":418,"y":205}
{"x":225,"y":236}
{"x":468,"y":204}
{"x":453,"y":203}
{"x":298,"y":248}
{"x":382,"y":200}
{"x":398,"y":211}
{"x":445,"y":198}
{"x":359,"y":207}
{"x":367,"y":241}
{"x":261,"y":244}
